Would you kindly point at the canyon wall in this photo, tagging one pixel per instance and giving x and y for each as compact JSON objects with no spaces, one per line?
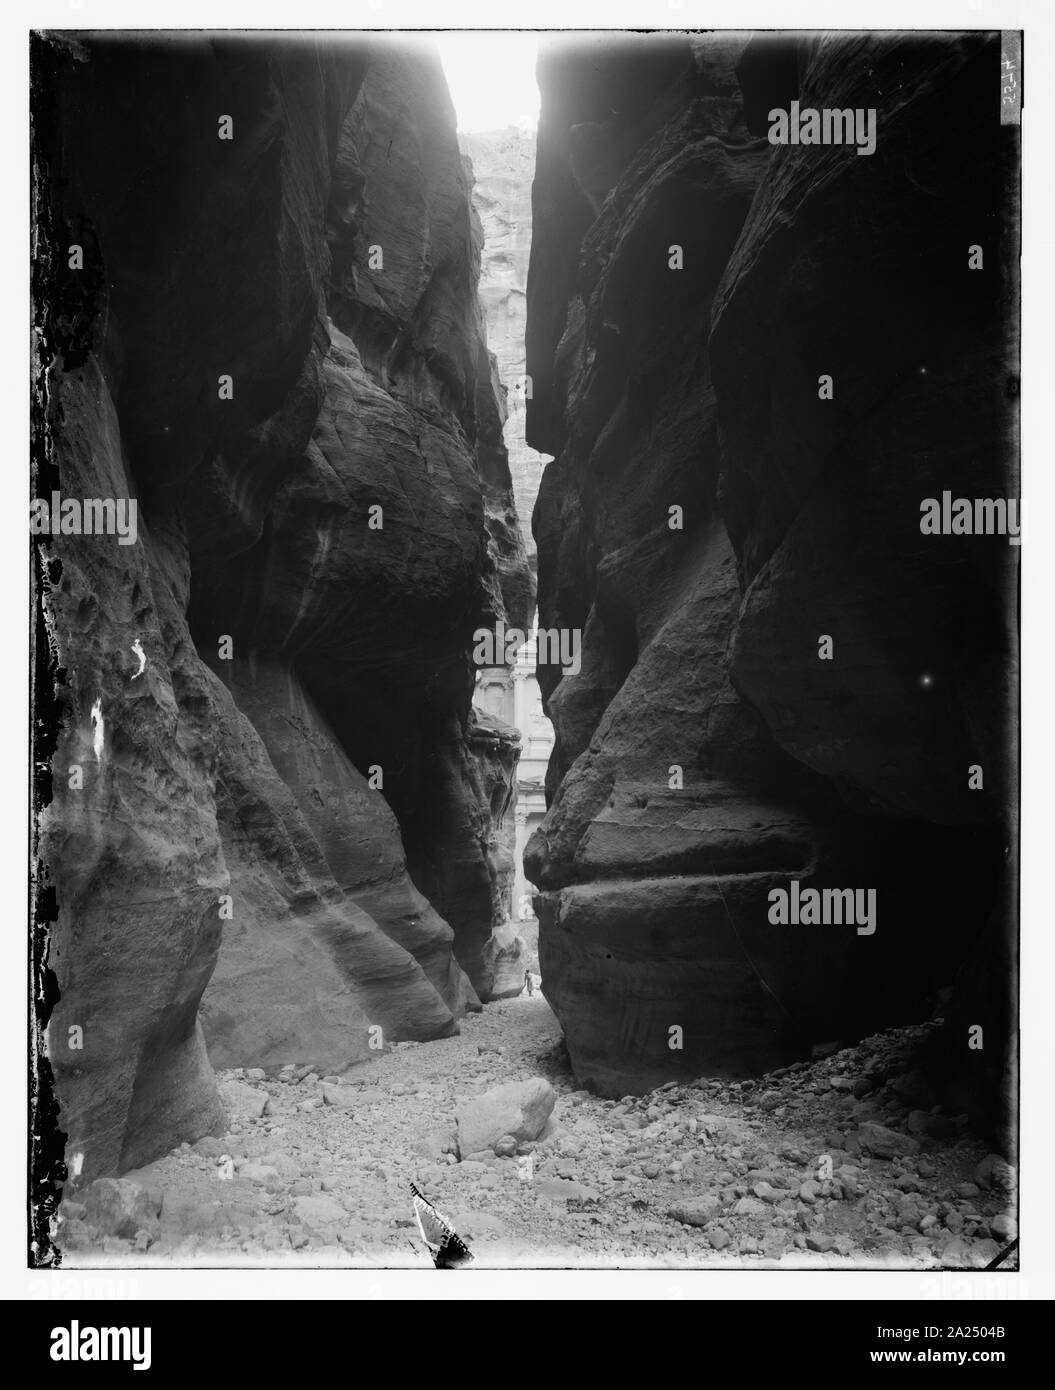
{"x":267,"y":796}
{"x":503,"y":162}
{"x":712,"y":515}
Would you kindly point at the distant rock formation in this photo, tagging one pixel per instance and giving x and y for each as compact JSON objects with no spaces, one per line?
{"x":273,"y":802}
{"x":710,"y":517}
{"x":503,"y":163}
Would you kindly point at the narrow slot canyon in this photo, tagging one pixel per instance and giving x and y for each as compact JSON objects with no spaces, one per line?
{"x":526,"y":746}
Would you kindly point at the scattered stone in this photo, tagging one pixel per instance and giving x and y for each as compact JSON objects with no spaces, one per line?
{"x":818,"y":1242}
{"x":719,"y":1238}
{"x":120,"y":1207}
{"x":696,"y":1212}
{"x":506,"y":1147}
{"x":955,"y":1254}
{"x":341,"y":1097}
{"x":876,"y":1139}
{"x":1003,"y":1228}
{"x":994,"y":1171}
{"x":243,"y":1102}
{"x":258,"y":1172}
{"x":559,"y":1190}
{"x":750,"y":1206}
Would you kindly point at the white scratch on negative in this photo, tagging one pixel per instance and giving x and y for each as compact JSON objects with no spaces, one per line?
{"x":137,"y":648}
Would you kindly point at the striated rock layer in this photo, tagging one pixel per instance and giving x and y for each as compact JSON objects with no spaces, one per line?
{"x":705,"y":755}
{"x":268,"y":694}
{"x":503,"y":162}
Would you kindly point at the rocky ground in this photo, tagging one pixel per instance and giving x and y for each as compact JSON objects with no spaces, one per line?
{"x":839,"y":1162}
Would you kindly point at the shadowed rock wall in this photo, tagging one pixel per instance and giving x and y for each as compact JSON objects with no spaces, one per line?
{"x":705,"y":754}
{"x":273,"y":800}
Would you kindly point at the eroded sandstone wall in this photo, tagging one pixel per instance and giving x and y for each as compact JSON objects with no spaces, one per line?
{"x":705,"y":755}
{"x":230,"y":826}
{"x":503,"y":165}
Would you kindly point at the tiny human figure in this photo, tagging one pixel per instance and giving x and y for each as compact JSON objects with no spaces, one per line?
{"x":528,"y":981}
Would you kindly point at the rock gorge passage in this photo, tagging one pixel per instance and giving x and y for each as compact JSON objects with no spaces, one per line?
{"x":271,"y":826}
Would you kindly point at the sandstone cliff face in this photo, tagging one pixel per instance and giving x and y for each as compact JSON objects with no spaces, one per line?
{"x":705,"y":755}
{"x":503,"y":164}
{"x":229,"y":823}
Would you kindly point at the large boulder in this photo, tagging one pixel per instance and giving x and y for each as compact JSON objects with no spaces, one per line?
{"x":519,"y":1109}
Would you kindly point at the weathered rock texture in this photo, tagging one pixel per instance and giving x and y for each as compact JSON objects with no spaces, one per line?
{"x":231,"y":824}
{"x":801,"y":518}
{"x":503,"y":163}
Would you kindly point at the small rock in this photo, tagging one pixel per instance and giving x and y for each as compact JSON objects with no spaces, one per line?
{"x":558,"y":1190}
{"x":885,"y":1143}
{"x":505,"y":1147}
{"x":750,"y":1206}
{"x":243,"y":1102}
{"x":820,"y":1243}
{"x":1003,"y":1228}
{"x":696,"y":1212}
{"x":341,"y":1097}
{"x":120,"y":1207}
{"x":258,"y":1172}
{"x":319,"y":1211}
{"x":954,"y":1255}
{"x":718,"y":1238}
{"x":994,"y":1171}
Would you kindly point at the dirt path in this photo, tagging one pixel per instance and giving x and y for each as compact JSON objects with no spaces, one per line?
{"x":780,"y":1172}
